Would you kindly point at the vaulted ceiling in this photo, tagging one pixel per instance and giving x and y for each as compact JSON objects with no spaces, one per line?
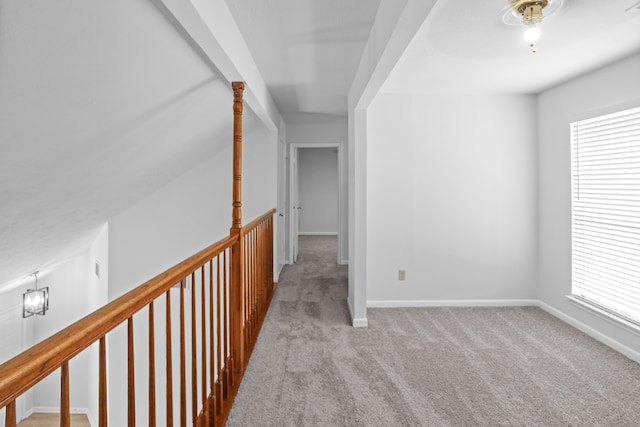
{"x":104,"y":102}
{"x":101,"y":103}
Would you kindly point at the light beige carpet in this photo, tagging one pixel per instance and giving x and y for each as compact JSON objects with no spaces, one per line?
{"x":423,"y":367}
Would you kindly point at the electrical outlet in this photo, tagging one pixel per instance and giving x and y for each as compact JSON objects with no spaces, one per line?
{"x":402,"y":275}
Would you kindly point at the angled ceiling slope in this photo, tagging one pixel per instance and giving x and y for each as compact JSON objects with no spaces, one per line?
{"x":102,"y":103}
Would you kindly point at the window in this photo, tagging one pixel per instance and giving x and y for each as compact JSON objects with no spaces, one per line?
{"x":605,"y":162}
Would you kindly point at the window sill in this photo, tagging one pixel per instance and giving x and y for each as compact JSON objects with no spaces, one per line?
{"x":604,"y":314}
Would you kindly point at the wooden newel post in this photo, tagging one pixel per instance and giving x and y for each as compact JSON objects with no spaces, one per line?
{"x":237,"y":350}
{"x":236,"y":216}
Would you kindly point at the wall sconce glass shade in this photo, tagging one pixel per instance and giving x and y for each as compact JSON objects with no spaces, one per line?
{"x":35,"y":301}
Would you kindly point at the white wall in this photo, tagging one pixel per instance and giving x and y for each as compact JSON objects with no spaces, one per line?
{"x":318,"y":190}
{"x":259,"y":174}
{"x":11,"y":334}
{"x":357,"y":276}
{"x":318,"y":128}
{"x":74,"y":291}
{"x":11,"y":322}
{"x":612,"y":88}
{"x":98,"y":296}
{"x":182,"y":218}
{"x":451,"y":190}
{"x":396,"y":23}
{"x":69,"y":289}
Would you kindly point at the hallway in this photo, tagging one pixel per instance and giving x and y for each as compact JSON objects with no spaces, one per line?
{"x":309,"y":304}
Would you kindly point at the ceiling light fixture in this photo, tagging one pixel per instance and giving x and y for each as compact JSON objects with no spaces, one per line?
{"x":35,"y":301}
{"x":530,"y":13}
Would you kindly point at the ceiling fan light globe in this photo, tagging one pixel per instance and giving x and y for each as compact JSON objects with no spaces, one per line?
{"x":532,"y":33}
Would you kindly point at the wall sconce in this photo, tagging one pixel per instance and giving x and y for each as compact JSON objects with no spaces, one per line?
{"x":35,"y":301}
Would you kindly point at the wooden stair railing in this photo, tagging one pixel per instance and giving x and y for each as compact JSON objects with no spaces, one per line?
{"x":229,"y":286}
{"x":209,"y":330}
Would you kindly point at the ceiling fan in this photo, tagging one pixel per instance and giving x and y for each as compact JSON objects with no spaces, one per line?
{"x":530,"y":14}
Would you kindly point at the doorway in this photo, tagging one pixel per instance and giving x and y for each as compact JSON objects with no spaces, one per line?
{"x":315,"y":193}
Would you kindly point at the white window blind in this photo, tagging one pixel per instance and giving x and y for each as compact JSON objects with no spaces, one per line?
{"x":605,"y":155}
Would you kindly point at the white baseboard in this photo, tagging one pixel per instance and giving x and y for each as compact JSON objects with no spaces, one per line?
{"x":278,"y":271}
{"x":357,"y":322}
{"x":55,"y":410}
{"x":360,"y":323}
{"x":453,"y":303}
{"x":317,"y":233}
{"x":26,"y":415}
{"x":618,"y":346}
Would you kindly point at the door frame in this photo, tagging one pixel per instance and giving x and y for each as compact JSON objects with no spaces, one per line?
{"x":293,"y":180}
{"x":282,"y":211}
{"x":294,"y":213}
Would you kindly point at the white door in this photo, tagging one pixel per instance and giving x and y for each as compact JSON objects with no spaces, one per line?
{"x":295,"y":208}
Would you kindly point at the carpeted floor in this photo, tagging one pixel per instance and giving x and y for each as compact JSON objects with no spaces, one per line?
{"x":423,"y":367}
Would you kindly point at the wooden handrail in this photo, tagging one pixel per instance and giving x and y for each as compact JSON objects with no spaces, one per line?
{"x":253,"y":224}
{"x":26,"y":369}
